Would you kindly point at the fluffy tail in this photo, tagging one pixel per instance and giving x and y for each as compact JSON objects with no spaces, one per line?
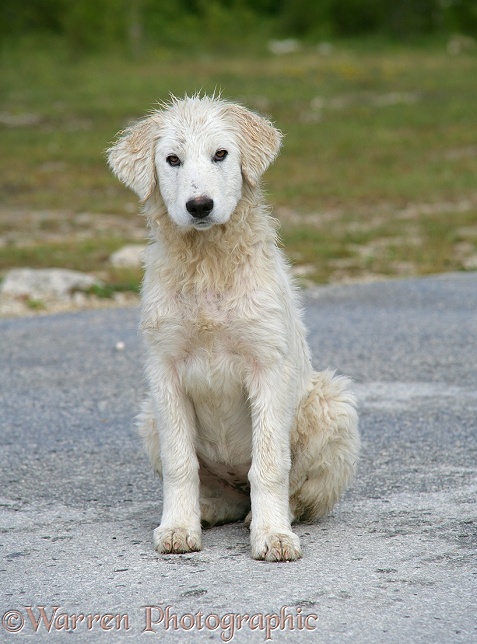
{"x":325,"y":446}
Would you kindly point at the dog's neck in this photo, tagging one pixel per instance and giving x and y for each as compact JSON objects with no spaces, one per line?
{"x":197,"y":260}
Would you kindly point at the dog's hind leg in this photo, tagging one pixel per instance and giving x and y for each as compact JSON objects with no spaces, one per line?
{"x":220,"y":502}
{"x":325,"y":446}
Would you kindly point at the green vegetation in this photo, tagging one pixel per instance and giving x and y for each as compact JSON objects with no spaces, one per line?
{"x":137,"y":26}
{"x":35,"y":305}
{"x":377,"y":176}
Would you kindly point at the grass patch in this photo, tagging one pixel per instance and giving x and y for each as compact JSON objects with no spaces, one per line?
{"x":35,"y":305}
{"x":369,"y":132}
{"x":410,"y":243}
{"x":119,"y":280}
{"x":87,"y":255}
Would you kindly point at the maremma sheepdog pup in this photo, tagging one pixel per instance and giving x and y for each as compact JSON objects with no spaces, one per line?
{"x":237,"y":423}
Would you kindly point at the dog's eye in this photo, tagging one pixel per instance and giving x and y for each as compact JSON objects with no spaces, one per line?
{"x":220,"y":155}
{"x":173,"y":160}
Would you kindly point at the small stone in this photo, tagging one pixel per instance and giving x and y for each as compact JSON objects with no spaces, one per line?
{"x":79,"y":299}
{"x":470,"y":263}
{"x":129,"y":256}
{"x":282,"y":47}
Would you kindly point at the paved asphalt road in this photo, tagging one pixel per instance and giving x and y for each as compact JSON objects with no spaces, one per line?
{"x":395,"y":562}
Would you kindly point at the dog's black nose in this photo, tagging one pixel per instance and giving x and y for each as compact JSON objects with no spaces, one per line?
{"x":200,"y":207}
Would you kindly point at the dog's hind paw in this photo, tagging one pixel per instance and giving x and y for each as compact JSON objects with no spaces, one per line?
{"x":282,"y":546}
{"x":176,"y":540}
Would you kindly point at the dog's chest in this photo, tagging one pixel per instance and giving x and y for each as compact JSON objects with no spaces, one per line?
{"x":209,"y":332}
{"x":212,"y":356}
{"x":209,"y":314}
{"x":214,"y":345}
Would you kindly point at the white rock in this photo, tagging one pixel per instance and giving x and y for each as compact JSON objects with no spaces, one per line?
{"x":460,"y":44}
{"x":470,"y":263}
{"x":281,"y":47}
{"x":129,"y":256}
{"x":37,"y":284}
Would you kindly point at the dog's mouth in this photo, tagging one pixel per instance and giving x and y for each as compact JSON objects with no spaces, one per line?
{"x":202,"y":225}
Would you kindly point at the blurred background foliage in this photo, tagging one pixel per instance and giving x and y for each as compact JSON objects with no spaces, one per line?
{"x":136,"y":25}
{"x":377,"y":99}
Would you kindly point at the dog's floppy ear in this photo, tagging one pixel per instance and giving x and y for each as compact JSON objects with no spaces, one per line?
{"x":259,"y":142}
{"x":131,"y":158}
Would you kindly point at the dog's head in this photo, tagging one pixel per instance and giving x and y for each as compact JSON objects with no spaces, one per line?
{"x":197,"y":152}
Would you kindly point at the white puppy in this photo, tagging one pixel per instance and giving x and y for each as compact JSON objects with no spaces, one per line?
{"x":237,"y":422}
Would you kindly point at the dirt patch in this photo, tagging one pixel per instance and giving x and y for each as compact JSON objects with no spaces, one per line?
{"x":21,"y":307}
{"x":26,"y":227}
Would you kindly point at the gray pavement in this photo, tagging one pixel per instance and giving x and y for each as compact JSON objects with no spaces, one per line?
{"x":395,"y":562}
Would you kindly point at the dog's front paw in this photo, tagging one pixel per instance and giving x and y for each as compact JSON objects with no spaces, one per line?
{"x":280,"y":546}
{"x":176,"y":540}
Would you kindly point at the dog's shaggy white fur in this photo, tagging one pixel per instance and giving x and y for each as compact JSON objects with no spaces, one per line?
{"x":237,"y":423}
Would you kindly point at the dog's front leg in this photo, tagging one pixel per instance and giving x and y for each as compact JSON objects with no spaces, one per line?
{"x":272,"y":414}
{"x":180,"y":529}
